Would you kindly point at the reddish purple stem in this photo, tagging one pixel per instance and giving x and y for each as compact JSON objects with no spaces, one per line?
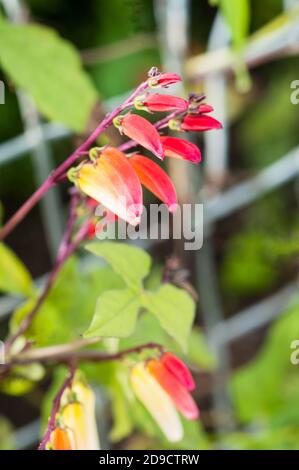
{"x":56,"y":405}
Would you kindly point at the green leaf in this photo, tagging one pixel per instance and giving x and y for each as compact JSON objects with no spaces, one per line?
{"x":14,"y":277}
{"x":48,"y":68}
{"x":68,"y":310}
{"x":174,"y":309}
{"x":148,"y":327}
{"x":131,"y":263}
{"x":115,"y":315}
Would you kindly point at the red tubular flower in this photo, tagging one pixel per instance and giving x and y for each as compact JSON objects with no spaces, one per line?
{"x":200,"y":123}
{"x":179,"y":370}
{"x":180,"y":148}
{"x":164,"y":80}
{"x":143,"y":132}
{"x":155,"y":180}
{"x":205,"y":108}
{"x":162,"y":103}
{"x":178,"y":393}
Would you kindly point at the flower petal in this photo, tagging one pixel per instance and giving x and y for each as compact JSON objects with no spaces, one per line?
{"x":155,"y":180}
{"x":180,"y":148}
{"x":86,"y":396}
{"x":164,"y":80}
{"x":74,"y":418}
{"x":205,"y":108}
{"x":179,"y":394}
{"x":162,"y":103}
{"x":179,"y":370}
{"x":200,"y":123}
{"x":62,"y":439}
{"x":143,"y":132}
{"x":112,"y":182}
{"x":157,"y":402}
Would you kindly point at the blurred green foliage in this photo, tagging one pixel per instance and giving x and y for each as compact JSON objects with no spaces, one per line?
{"x":255,"y":260}
{"x":265,"y":391}
{"x":268,"y":130}
{"x":6,"y":435}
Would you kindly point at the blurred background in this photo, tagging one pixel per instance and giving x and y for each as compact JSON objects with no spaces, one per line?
{"x":244,"y":56}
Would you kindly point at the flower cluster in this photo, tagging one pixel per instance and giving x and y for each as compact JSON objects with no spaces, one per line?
{"x":163,"y":386}
{"x":75,"y":421}
{"x":114,"y":178}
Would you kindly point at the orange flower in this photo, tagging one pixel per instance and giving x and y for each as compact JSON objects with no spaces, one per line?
{"x":178,"y":393}
{"x":155,"y":180}
{"x":110,"y":180}
{"x":76,"y":427}
{"x":162,"y":385}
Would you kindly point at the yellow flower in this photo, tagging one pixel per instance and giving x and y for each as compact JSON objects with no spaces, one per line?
{"x":86,"y":396}
{"x":74,"y":417}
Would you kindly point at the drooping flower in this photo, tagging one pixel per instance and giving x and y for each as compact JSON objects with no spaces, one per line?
{"x":111,"y":181}
{"x":157,"y":402}
{"x":175,"y":389}
{"x":180,"y":148}
{"x":62,"y":439}
{"x":86,"y":396}
{"x":199,"y":123}
{"x":73,"y":417}
{"x":155,"y":180}
{"x":178,"y":368}
{"x":161,"y":103}
{"x":141,"y":131}
{"x":172,"y":376}
{"x":163,"y":79}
